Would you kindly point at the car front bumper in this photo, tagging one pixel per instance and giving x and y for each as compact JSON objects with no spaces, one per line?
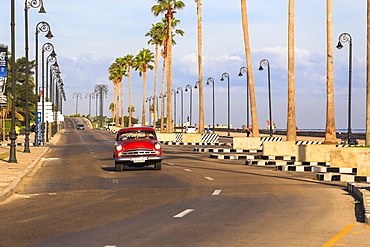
{"x":139,"y":159}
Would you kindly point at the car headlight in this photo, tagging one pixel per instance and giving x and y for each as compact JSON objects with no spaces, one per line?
{"x":157,"y":146}
{"x":119,"y":147}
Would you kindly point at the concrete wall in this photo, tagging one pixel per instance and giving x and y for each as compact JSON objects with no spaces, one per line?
{"x":166,"y":137}
{"x":246,"y":143}
{"x":192,"y":138}
{"x":282,"y":148}
{"x":314,"y":153}
{"x":352,"y":157}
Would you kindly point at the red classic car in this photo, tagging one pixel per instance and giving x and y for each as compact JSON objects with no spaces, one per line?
{"x":137,"y":147}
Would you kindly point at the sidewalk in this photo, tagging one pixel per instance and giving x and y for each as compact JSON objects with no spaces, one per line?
{"x":12,"y":174}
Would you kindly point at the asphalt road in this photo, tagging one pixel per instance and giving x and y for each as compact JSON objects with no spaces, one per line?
{"x":77,"y":199}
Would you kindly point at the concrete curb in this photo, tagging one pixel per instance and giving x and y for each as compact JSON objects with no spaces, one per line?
{"x":361,"y":190}
{"x":15,"y":183}
{"x":9,"y":191}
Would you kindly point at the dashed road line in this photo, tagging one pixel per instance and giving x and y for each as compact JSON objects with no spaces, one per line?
{"x":188,"y":170}
{"x":209,"y":178}
{"x":216,"y":192}
{"x":184,"y":213}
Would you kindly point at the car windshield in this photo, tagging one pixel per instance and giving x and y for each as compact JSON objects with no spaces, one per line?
{"x":80,"y":125}
{"x":135,"y":134}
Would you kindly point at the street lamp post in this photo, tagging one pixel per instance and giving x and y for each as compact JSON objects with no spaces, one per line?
{"x":12,"y":134}
{"x":223,"y":76}
{"x":209,"y":81}
{"x":265,"y":62}
{"x":45,"y":47}
{"x":52,"y":60}
{"x":149,"y":99}
{"x":28,"y":4}
{"x":174,"y":97}
{"x":187,"y":88}
{"x":40,"y":27}
{"x":102,"y":90}
{"x":346,"y":37}
{"x":245,"y":70}
{"x":179,"y":89}
{"x":89,"y":95}
{"x":77,"y":96}
{"x":162,"y":96}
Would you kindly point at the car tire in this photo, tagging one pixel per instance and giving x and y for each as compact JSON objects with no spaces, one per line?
{"x":118,"y":167}
{"x":158,"y":166}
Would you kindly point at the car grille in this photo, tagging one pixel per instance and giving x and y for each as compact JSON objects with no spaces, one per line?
{"x":138,"y":152}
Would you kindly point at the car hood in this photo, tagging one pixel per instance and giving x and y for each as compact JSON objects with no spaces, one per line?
{"x":134,"y":144}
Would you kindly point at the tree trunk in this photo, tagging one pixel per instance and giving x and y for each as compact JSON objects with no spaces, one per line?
{"x":169,"y":78}
{"x":144,"y":99}
{"x":200,"y":68}
{"x":130,"y":97}
{"x":367,"y":141}
{"x":330,"y":133}
{"x":252,"y":96}
{"x":116,"y":103}
{"x":163,"y":88}
{"x":291,"y":123}
{"x":122,"y":106}
{"x":155,"y":87}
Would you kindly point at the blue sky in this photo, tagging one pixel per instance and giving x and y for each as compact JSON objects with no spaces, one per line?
{"x":89,"y":35}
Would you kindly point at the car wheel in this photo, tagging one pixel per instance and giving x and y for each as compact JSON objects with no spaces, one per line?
{"x":118,"y":167}
{"x":158,"y":166}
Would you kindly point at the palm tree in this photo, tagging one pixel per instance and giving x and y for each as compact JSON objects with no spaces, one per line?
{"x":168,"y":7}
{"x":291,"y":124}
{"x":114,"y":77}
{"x":157,"y":37}
{"x":112,"y":108}
{"x":142,"y":63}
{"x":252,"y":95}
{"x":200,"y":67}
{"x":128,"y":60}
{"x":165,"y":57}
{"x":116,"y":72}
{"x":330,"y":133}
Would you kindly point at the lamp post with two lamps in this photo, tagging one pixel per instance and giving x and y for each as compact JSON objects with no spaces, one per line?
{"x":346,"y":37}
{"x":223,"y":77}
{"x":27,"y":5}
{"x":265,"y":62}
{"x":77,"y":96}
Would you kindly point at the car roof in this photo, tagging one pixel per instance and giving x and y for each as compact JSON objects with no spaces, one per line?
{"x":136,"y":128}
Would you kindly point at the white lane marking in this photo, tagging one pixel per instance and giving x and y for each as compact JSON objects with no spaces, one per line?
{"x":188,"y":170}
{"x":49,"y":158}
{"x":216,"y":192}
{"x":183,"y":213}
{"x":81,"y":139}
{"x":110,"y":246}
{"x":170,"y":164}
{"x":115,"y":181}
{"x":209,"y":178}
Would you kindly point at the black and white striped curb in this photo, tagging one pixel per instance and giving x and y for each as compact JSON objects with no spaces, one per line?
{"x":295,"y":168}
{"x":255,"y":157}
{"x":265,"y":162}
{"x":362,"y":192}
{"x":222,"y":150}
{"x":289,"y":162}
{"x":342,"y":177}
{"x":232,"y":157}
{"x":21,"y":144}
{"x":195,"y":144}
